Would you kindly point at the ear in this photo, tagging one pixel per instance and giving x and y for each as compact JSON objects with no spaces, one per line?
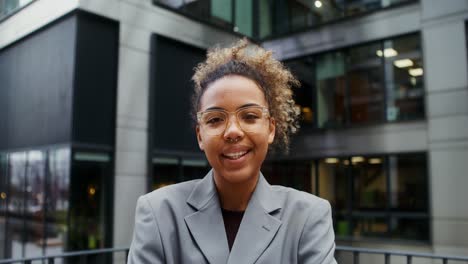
{"x":271,"y":134}
{"x":199,"y":138}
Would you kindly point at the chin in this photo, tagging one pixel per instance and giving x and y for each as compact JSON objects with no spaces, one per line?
{"x":239,"y":176}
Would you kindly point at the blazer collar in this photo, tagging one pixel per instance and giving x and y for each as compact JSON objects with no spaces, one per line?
{"x":258,"y":227}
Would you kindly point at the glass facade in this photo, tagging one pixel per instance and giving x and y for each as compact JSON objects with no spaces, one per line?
{"x":51,"y":202}
{"x":378,"y":196}
{"x":367,"y":84}
{"x":8,"y":7}
{"x":270,"y":18}
{"x":168,"y":170}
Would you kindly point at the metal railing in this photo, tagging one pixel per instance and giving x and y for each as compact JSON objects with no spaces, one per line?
{"x":387,"y":254}
{"x":354,"y":251}
{"x":82,"y":256}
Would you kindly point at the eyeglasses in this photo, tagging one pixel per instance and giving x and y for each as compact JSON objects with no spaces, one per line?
{"x":250,"y":119}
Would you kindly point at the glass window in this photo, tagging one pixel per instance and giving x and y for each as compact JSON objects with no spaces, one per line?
{"x":412,"y":228}
{"x":265,"y":18}
{"x":404,"y":78}
{"x":57,"y":200}
{"x":34,"y":203}
{"x":366,"y":94}
{"x":90,"y":205}
{"x":217,"y":12}
{"x":295,"y":174}
{"x":166,"y":171}
{"x":370,"y":226}
{"x":10,"y":6}
{"x":3,"y":203}
{"x":16,"y":203}
{"x":194,"y":168}
{"x":170,"y":170}
{"x":304,"y":96}
{"x":244,"y":16}
{"x":333,"y":182}
{"x":354,"y":7}
{"x":408,"y":182}
{"x":330,"y":90}
{"x":369,"y":182}
{"x":328,"y":10}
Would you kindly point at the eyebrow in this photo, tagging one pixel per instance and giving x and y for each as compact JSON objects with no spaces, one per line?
{"x":242,"y":106}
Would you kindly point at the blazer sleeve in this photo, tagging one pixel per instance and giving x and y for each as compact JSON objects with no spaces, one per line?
{"x":317,"y":242}
{"x":146,"y":245}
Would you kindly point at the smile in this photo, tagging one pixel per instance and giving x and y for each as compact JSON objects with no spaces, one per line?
{"x":235,"y":155}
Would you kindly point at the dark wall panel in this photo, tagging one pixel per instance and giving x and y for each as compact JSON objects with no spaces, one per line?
{"x":172,"y":70}
{"x":36,"y":80}
{"x":96,"y":80}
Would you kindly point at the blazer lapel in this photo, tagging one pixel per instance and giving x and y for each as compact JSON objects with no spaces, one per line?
{"x":258,"y":226}
{"x":206,"y":225}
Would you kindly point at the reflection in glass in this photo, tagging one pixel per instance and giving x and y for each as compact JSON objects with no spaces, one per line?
{"x":166,"y":171}
{"x":330,"y":84}
{"x":35,"y":199}
{"x":89,"y":204}
{"x":10,"y":6}
{"x":333,"y":182}
{"x":303,"y":69}
{"x":410,"y":228}
{"x":365,"y":84}
{"x":370,"y":226}
{"x":370,"y":185}
{"x":3,"y":203}
{"x":57,"y":200}
{"x":404,"y":79}
{"x":292,"y":173}
{"x":16,"y":203}
{"x":194,"y":169}
{"x":408,"y":181}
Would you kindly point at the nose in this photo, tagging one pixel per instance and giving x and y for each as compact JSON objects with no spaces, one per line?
{"x":233,"y":130}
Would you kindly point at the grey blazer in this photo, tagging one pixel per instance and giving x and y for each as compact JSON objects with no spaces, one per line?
{"x":182,"y":223}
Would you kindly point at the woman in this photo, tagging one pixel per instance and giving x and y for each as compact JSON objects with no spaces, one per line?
{"x":243,"y":106}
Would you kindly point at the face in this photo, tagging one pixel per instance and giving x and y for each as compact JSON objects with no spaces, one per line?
{"x":235,"y":155}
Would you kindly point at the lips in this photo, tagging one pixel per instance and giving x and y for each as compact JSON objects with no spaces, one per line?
{"x":235,"y":155}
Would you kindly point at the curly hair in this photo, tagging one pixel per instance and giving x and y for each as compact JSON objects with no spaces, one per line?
{"x":257,"y":64}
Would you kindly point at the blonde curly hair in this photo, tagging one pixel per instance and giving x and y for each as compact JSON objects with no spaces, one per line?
{"x":257,"y":64}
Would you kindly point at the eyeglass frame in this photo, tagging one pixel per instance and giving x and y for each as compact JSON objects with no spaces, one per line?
{"x":265,"y":111}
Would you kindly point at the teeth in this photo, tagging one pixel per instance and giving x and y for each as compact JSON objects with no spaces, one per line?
{"x":235,"y":155}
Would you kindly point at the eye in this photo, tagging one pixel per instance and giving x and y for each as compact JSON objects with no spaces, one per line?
{"x":214,"y":120}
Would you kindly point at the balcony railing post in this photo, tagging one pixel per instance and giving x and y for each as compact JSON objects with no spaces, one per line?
{"x":409,"y":259}
{"x":444,"y":261}
{"x":50,"y":260}
{"x":355,"y":257}
{"x":387,"y":258}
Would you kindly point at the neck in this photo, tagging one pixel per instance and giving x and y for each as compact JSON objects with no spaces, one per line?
{"x":235,"y":196}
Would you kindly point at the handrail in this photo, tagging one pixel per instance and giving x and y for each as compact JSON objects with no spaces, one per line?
{"x":66,"y":255}
{"x":356,"y":251}
{"x":387,"y":253}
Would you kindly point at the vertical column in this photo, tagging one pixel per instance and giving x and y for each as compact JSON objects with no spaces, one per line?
{"x":132,"y":129}
{"x":446,"y":71}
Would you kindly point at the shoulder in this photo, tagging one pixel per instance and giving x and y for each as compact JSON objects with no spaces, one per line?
{"x":300,"y":200}
{"x":174,"y":195}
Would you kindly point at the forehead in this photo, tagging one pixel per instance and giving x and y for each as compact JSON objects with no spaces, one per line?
{"x":231,"y":92}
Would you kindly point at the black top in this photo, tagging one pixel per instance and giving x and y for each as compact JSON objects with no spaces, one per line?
{"x":232,"y":221}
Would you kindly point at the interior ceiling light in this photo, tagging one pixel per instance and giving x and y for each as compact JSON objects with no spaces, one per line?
{"x":403,"y":63}
{"x":416,"y":72}
{"x":331,"y":160}
{"x":318,"y":4}
{"x":357,"y":159}
{"x":387,"y":53}
{"x":375,"y":161}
